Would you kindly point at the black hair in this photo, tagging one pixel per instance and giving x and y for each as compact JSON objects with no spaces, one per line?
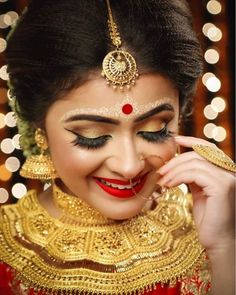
{"x":57,"y":44}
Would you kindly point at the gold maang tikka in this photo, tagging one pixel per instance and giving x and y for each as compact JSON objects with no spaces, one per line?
{"x":119,"y":66}
{"x":39,"y":166}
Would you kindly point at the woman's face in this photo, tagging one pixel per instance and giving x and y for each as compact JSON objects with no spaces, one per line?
{"x":98,"y":135}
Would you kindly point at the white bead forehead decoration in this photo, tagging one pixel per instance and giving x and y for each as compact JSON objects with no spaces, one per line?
{"x":127,"y":109}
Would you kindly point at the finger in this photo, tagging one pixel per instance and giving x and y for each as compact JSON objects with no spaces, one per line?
{"x":200,"y":177}
{"x":180,"y":159}
{"x":192,"y":167}
{"x":189,"y":141}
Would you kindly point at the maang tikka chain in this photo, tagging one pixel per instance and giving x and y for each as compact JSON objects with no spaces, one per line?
{"x":119,"y":66}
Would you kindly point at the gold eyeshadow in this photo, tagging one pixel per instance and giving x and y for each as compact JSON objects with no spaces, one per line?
{"x":152,"y":126}
{"x":91,"y":133}
{"x":89,"y":130}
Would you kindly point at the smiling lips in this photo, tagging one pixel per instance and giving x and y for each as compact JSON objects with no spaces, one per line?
{"x":121,"y":189}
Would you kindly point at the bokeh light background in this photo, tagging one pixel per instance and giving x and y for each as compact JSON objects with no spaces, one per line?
{"x":214,"y":105}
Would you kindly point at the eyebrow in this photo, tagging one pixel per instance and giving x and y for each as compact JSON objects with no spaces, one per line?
{"x":93,"y":118}
{"x":156,"y":110}
{"x":102,"y":119}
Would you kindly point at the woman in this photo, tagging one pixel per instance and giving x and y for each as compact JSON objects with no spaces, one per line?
{"x":114,"y":220}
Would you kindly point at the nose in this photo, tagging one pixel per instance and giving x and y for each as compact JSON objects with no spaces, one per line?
{"x":126,"y":161}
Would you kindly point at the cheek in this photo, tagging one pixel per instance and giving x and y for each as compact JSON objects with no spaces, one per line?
{"x":169,"y":149}
{"x":164,"y":152}
{"x":72,"y":160}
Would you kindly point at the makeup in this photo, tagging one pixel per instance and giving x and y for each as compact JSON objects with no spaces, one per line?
{"x":127,"y":109}
{"x":121,"y":189}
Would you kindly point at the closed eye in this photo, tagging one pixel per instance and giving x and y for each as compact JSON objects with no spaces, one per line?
{"x":89,"y":142}
{"x":159,"y":136}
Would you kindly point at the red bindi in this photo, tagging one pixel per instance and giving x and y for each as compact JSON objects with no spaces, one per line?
{"x":127,"y":109}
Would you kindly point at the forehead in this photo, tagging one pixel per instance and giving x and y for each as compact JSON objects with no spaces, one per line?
{"x":95,"y":97}
{"x":126,"y":109}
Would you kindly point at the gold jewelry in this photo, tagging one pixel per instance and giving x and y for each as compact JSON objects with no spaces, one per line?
{"x":155,"y":195}
{"x":158,"y":191}
{"x":73,"y":256}
{"x":119,"y":66}
{"x":39,"y":166}
{"x":77,"y":209}
{"x":215,"y":156}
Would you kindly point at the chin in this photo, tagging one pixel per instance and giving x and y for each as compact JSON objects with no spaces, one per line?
{"x":121,"y":213}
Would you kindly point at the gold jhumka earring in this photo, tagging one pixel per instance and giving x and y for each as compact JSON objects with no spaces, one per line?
{"x":39,"y":166}
{"x":119,"y":66}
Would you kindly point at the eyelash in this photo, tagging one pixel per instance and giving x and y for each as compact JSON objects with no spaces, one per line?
{"x":156,"y":136}
{"x":90,"y":143}
{"x":98,"y":142}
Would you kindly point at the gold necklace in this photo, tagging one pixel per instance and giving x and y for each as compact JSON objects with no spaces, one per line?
{"x":73,"y":256}
{"x":75,"y":211}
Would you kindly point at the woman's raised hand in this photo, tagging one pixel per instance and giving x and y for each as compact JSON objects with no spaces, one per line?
{"x":213,"y":191}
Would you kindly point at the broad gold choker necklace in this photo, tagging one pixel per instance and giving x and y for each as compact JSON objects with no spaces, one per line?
{"x":103,"y":257}
{"x":76,"y":211}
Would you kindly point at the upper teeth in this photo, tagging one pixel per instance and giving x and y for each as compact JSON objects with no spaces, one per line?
{"x":120,"y":186}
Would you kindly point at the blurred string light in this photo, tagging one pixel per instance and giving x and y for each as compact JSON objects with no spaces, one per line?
{"x":212,"y":83}
{"x":209,"y":79}
{"x":218,"y":104}
{"x":212,"y":32}
{"x":3,"y":45}
{"x":218,"y":133}
{"x":11,"y":164}
{"x":4,"y":195}
{"x":5,"y":174}
{"x":8,"y":19}
{"x":214,"y":7}
{"x":7,"y":146}
{"x":212,"y":56}
{"x":18,"y":190}
{"x":3,"y":73}
{"x":10,"y":119}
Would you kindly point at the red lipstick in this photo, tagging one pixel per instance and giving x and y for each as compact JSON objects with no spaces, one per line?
{"x":119,"y":192}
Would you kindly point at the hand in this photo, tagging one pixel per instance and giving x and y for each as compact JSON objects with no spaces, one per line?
{"x":213,"y":190}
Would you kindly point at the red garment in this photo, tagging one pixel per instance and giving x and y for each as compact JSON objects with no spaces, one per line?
{"x":6,"y":277}
{"x":7,"y":287}
{"x":5,"y":280}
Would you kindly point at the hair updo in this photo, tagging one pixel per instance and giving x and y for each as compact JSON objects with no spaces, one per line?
{"x":57,"y":44}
